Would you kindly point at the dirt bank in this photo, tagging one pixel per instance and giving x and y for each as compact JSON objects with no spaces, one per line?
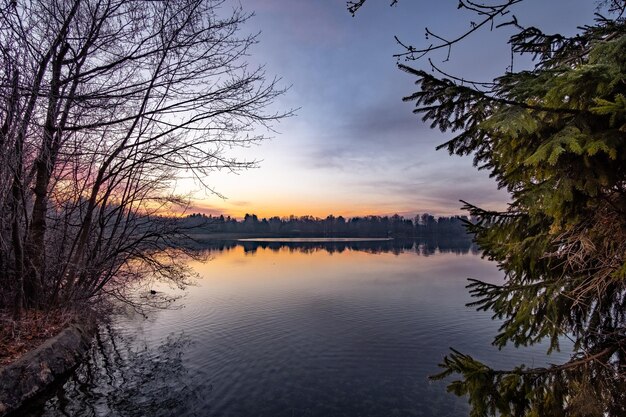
{"x":33,"y":372}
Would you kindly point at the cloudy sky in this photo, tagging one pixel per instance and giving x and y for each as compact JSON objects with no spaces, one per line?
{"x":354,"y":147}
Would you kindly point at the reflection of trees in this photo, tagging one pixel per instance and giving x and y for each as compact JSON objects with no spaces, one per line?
{"x":120,"y":379}
{"x":423,"y":247}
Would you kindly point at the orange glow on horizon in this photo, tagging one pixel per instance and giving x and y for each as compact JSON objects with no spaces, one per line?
{"x":319,"y":210}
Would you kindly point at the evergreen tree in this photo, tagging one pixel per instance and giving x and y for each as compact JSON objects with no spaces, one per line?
{"x":555,"y":138}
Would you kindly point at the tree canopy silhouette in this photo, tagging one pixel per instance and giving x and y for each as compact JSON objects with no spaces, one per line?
{"x":104,"y":105}
{"x":395,"y":226}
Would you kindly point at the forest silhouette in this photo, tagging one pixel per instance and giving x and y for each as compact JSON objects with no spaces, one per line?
{"x":396,"y":226}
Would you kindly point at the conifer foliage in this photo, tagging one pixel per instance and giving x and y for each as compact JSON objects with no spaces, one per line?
{"x":555,"y":138}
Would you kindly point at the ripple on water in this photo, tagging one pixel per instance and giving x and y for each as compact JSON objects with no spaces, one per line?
{"x":290,"y":333}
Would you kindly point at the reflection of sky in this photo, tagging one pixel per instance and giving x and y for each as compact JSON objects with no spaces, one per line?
{"x":341,"y":334}
{"x":354,"y":146}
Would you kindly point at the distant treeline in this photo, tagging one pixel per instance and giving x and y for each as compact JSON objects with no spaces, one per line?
{"x":423,"y":225}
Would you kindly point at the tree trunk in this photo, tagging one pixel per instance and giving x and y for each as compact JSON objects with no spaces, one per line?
{"x":44,"y":168}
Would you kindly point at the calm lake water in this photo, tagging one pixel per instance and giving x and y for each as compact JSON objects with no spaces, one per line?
{"x":296,"y":329}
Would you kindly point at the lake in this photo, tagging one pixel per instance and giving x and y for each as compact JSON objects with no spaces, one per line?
{"x":296,"y":328}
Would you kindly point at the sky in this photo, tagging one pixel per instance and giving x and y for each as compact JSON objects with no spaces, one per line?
{"x":353,"y":146}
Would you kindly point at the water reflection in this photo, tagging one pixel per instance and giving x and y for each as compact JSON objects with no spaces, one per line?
{"x":123,"y":378}
{"x":284,"y":329}
{"x":424,"y":247}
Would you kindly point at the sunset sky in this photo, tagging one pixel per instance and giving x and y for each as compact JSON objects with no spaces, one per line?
{"x":353,"y":147}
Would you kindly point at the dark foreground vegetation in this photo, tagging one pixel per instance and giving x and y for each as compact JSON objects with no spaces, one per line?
{"x":554,"y":136}
{"x":103,"y":104}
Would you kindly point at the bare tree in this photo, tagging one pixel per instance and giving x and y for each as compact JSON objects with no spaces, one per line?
{"x":105,"y":104}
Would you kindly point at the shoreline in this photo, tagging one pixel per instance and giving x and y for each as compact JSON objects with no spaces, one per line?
{"x":35,"y":371}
